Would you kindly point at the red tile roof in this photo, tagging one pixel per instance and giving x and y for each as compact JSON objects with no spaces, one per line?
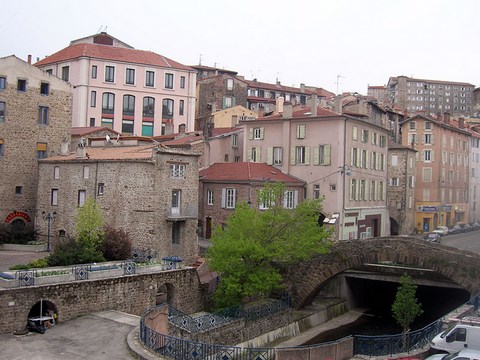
{"x":111,"y":53}
{"x":81,"y":131}
{"x":188,"y":138}
{"x":303,"y":111}
{"x":246,"y":171}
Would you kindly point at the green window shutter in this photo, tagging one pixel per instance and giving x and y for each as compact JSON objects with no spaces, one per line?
{"x":327,"y":154}
{"x":316,"y":155}
{"x":270,"y":155}
{"x":307,"y":155}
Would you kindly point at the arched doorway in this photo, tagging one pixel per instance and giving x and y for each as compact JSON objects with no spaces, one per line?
{"x":165,"y":294}
{"x":394,"y":228}
{"x":43,"y":315}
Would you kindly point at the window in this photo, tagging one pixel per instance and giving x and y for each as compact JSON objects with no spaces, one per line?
{"x":2,"y":111}
{"x":41,"y":150}
{"x":107,"y":123}
{"x":109,"y":73}
{"x":428,"y":138}
{"x":412,"y":125}
{"x":127,"y":127}
{"x":301,"y":131}
{"x":66,"y":73}
{"x":167,"y":109}
{"x":428,"y":124}
{"x":257,"y":133}
{"x":86,"y":171}
{"x":364,"y":135}
{"x":324,"y":157}
{"x":316,"y":191}
{"x":2,"y":147}
{"x":383,"y":141}
{"x":44,"y":88}
{"x":229,"y":84}
{"x":3,"y":83}
{"x":427,"y":155}
{"x":228,"y":198}
{"x":94,"y":71}
{"x":148,"y":107}
{"x":411,"y":181}
{"x":130,"y":76}
{"x":176,"y":227}
{"x":300,"y":154}
{"x":175,"y":202}
{"x":266,"y":199}
{"x":374,"y":138}
{"x":354,"y":133}
{"x":427,"y":174}
{"x":394,"y":182}
{"x":56,"y":172}
{"x":181,"y":107}
{"x":373,"y":161}
{"x":234,"y":140}
{"x":177,"y":170}
{"x":92,"y":122}
{"x":147,"y":128}
{"x":381,"y":194}
{"x":354,"y":157}
{"x":101,"y":189}
{"x":43,"y":115}
{"x":277,"y":155}
{"x":168,"y":81}
{"x":108,"y":103}
{"x":209,"y":197}
{"x":254,"y":154}
{"x":412,"y":139}
{"x":353,"y":189}
{"x":54,"y":197}
{"x":93,"y":99}
{"x":150,"y":78}
{"x":364,"y":159}
{"x":362,"y":193}
{"x":82,"y":194}
{"x":182,"y":82}
{"x":228,"y":102}
{"x":373,"y":193}
{"x":290,"y":199}
{"x":18,"y":190}
{"x":394,"y":160}
{"x":22,"y":85}
{"x":128,"y":105}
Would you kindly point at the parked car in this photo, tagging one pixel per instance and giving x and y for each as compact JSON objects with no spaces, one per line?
{"x":455,"y":230}
{"x":467,"y":227}
{"x":464,"y":334}
{"x":460,"y":355}
{"x":442,"y":230}
{"x":433,"y":237}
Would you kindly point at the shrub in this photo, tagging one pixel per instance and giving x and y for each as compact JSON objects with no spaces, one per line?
{"x":70,"y":252}
{"x":11,"y":235}
{"x":39,"y":263}
{"x":117,"y":244}
{"x":19,"y":267}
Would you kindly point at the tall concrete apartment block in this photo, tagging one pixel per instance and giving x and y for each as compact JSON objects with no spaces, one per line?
{"x":151,"y":191}
{"x":134,"y":92}
{"x":431,"y":96}
{"x":35,"y":122}
{"x":401,"y":189}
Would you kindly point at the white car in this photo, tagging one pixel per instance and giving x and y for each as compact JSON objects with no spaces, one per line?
{"x":442,"y":230}
{"x":460,"y":355}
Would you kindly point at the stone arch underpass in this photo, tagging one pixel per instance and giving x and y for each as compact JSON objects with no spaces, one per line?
{"x":306,"y":279}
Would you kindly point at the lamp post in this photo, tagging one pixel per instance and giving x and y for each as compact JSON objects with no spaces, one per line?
{"x":49,"y":218}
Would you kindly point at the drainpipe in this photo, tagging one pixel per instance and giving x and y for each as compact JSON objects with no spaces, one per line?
{"x":342,"y":225}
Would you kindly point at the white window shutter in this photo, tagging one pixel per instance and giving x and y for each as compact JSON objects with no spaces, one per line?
{"x":249,"y":154}
{"x":234,"y":198}
{"x":433,"y":142}
{"x":307,"y":155}
{"x":224,"y":198}
{"x":270,"y":155}
{"x":259,"y":154}
{"x":432,"y":155}
{"x":316,"y":155}
{"x":327,"y":154}
{"x":292,"y":156}
{"x":285,"y":199}
{"x":250,"y":134}
{"x":262,"y":132}
{"x":295,"y":198}
{"x":359,"y":158}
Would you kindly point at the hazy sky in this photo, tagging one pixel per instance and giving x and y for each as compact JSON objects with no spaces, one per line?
{"x":316,"y":42}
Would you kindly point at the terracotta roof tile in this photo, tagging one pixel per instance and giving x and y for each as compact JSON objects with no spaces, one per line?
{"x":303,"y":111}
{"x":109,"y":153}
{"x":246,"y":171}
{"x":112,"y":53}
{"x":80,"y":131}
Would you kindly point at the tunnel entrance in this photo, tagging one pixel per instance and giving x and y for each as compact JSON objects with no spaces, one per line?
{"x":165,"y":294}
{"x":43,"y":315}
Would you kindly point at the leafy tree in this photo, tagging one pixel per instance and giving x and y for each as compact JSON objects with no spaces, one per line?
{"x":89,"y":225}
{"x":117,"y":244}
{"x":256,"y":244}
{"x":405,"y":307}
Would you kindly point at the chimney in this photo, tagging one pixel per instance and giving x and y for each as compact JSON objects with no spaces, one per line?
{"x":439,"y":116}
{"x":287,"y":111}
{"x":29,"y":59}
{"x":181,"y":129}
{"x":313,"y":104}
{"x":302,"y":88}
{"x":461,"y":123}
{"x":261,"y":111}
{"x":446,"y":118}
{"x":338,"y":104}
{"x":81,"y":151}
{"x":279,"y":104}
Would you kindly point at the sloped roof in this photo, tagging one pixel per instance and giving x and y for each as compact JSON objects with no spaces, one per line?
{"x":109,"y":153}
{"x":246,"y":171}
{"x":82,"y":131}
{"x":112,"y":53}
{"x":303,"y":111}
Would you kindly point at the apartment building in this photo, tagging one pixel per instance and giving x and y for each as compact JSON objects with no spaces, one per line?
{"x":431,"y":96}
{"x":134,"y":92}
{"x":35,"y":121}
{"x":150,"y":191}
{"x":342,"y":158}
{"x":474,"y":199}
{"x":442,"y":170}
{"x":401,"y":189}
{"x":224,"y":185}
{"x":378,"y":92}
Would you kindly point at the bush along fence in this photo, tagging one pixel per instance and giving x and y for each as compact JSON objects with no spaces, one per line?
{"x":174,"y":348}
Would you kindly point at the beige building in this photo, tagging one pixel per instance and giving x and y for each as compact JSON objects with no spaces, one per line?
{"x":35,"y":121}
{"x":401,"y":189}
{"x":231,"y":117}
{"x":150,"y":191}
{"x":442,"y":170}
{"x":342,"y":159}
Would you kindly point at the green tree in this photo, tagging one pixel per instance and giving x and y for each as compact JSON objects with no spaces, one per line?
{"x":406,"y":307}
{"x":257,"y":244}
{"x":89,"y":226}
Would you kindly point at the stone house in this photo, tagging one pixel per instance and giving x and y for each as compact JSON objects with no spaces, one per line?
{"x":401,"y":188}
{"x":224,"y":185}
{"x":132,"y":91}
{"x":151,"y":191}
{"x":35,"y":121}
{"x":342,"y":158}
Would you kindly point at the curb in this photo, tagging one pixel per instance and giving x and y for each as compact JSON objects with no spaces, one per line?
{"x":137,"y":349}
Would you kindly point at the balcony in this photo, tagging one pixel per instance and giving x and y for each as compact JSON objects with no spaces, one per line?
{"x":182,"y":213}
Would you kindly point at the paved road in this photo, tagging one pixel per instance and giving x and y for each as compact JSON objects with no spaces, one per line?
{"x":9,"y":258}
{"x":469,"y":241}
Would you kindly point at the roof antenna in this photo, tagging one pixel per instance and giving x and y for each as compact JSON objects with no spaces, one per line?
{"x":200,"y":59}
{"x":99,"y":29}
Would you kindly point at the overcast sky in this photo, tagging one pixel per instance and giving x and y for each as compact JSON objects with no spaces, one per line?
{"x":315,"y":42}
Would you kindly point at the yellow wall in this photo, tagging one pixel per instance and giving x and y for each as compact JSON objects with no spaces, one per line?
{"x":225,"y":118}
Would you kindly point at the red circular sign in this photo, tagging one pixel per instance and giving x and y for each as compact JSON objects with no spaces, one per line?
{"x":17,"y":214}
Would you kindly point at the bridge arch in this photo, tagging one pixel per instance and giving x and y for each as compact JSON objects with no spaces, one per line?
{"x":306,"y":279}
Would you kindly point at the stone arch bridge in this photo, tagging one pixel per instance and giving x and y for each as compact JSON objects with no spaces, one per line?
{"x":306,"y":279}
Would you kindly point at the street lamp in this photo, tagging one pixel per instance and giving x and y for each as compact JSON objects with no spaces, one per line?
{"x":48,"y":217}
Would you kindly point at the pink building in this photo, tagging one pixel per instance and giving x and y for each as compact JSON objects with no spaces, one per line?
{"x":134,"y":92}
{"x":342,"y":159}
